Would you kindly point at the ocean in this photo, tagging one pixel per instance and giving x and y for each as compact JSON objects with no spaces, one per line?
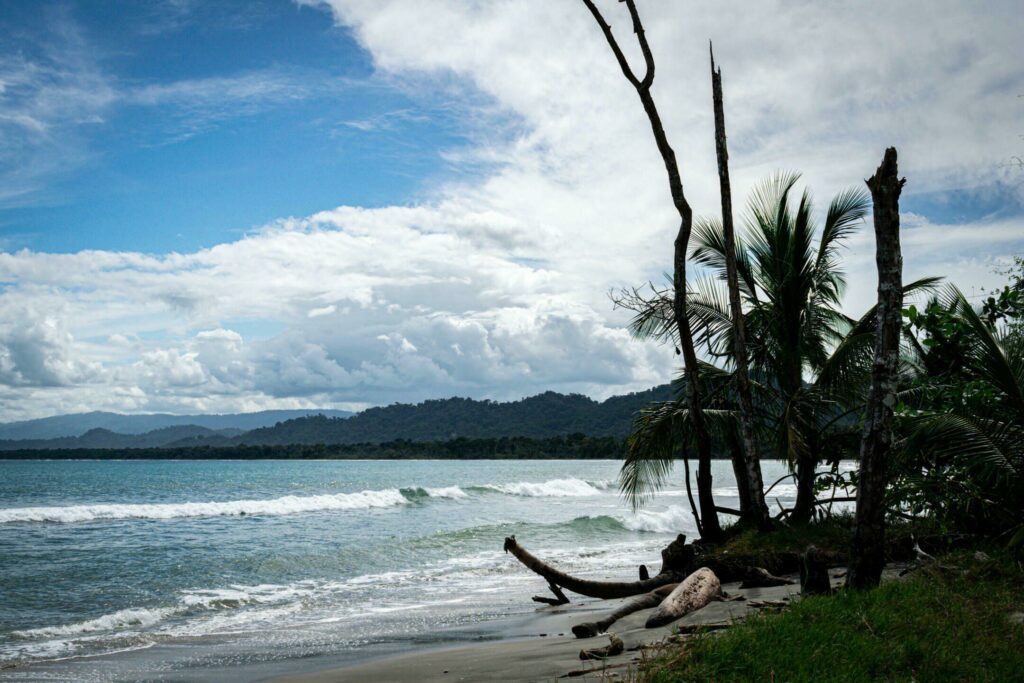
{"x":177,"y":570}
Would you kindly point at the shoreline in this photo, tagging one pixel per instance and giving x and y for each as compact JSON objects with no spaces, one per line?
{"x":552,"y":651}
{"x":537,"y":647}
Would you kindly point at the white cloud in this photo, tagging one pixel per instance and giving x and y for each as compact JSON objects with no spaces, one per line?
{"x":495,"y":284}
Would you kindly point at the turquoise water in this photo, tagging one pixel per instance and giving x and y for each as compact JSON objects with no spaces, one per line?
{"x":249,"y":562}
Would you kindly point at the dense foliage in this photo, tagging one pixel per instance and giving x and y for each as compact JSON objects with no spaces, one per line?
{"x":962,"y":415}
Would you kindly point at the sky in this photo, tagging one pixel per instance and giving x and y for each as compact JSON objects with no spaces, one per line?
{"x":220,"y":206}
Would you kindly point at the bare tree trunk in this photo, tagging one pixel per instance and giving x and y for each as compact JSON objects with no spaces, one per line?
{"x":711,"y":530}
{"x":806,"y":467}
{"x":689,"y":492}
{"x":867,"y":552}
{"x":757,"y":509}
{"x":739,"y":470}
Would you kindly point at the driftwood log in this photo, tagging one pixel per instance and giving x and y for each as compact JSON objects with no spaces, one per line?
{"x":647,"y":601}
{"x":696,"y":591}
{"x":614,"y":647}
{"x":605,"y":590}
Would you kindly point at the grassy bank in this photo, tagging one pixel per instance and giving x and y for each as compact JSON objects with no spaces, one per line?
{"x":933,"y":625}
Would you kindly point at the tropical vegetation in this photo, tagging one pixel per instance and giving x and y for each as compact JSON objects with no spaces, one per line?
{"x":959,"y":447}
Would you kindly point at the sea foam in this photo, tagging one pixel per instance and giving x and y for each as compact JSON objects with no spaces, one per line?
{"x":285,"y":505}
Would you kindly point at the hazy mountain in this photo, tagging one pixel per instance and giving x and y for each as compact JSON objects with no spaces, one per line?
{"x":104,"y":438}
{"x":78,"y":424}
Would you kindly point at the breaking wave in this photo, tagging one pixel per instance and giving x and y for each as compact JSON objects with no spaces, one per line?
{"x":554,"y":488}
{"x":287,"y":505}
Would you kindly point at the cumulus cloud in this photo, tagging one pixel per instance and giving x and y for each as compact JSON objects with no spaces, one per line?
{"x":495,"y":284}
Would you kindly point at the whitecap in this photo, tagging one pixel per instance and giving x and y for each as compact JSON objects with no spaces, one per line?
{"x":555,"y":488}
{"x":671,"y":521}
{"x":285,"y":505}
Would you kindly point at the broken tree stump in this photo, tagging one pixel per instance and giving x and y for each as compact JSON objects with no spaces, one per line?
{"x":696,"y":591}
{"x":814,"y":579}
{"x":677,"y":557}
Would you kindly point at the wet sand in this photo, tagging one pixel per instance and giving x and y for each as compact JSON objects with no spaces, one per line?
{"x":550,"y":651}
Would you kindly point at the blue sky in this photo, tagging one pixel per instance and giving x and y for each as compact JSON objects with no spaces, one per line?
{"x":219,"y":206}
{"x":156,"y":170}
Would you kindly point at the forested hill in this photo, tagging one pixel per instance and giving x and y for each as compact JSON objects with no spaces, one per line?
{"x":545,"y":415}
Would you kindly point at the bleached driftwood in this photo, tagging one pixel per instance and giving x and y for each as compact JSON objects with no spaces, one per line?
{"x":696,"y":591}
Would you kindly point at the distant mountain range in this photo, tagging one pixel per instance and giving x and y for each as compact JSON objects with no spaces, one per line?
{"x":538,"y":417}
{"x":78,"y":424}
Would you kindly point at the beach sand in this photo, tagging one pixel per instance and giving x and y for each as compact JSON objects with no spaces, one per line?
{"x":549,"y":651}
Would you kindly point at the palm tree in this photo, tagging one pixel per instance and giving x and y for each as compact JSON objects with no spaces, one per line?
{"x":810,"y":363}
{"x":963,"y":456}
{"x":792,"y":292}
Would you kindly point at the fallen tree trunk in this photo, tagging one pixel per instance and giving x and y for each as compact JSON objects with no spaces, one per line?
{"x":648,"y":600}
{"x":696,"y":591}
{"x":605,"y":590}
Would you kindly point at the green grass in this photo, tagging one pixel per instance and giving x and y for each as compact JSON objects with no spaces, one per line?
{"x":929,"y":626}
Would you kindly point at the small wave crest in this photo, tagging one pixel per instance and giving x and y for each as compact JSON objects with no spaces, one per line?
{"x":420,"y":492}
{"x":670,"y":521}
{"x":120,"y":620}
{"x":553,"y":488}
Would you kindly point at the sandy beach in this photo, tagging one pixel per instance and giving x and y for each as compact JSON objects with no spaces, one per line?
{"x":550,"y":651}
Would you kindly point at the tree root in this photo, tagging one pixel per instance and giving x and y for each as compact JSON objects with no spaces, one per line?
{"x":614,"y":647}
{"x":760,"y":578}
{"x":559,"y":598}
